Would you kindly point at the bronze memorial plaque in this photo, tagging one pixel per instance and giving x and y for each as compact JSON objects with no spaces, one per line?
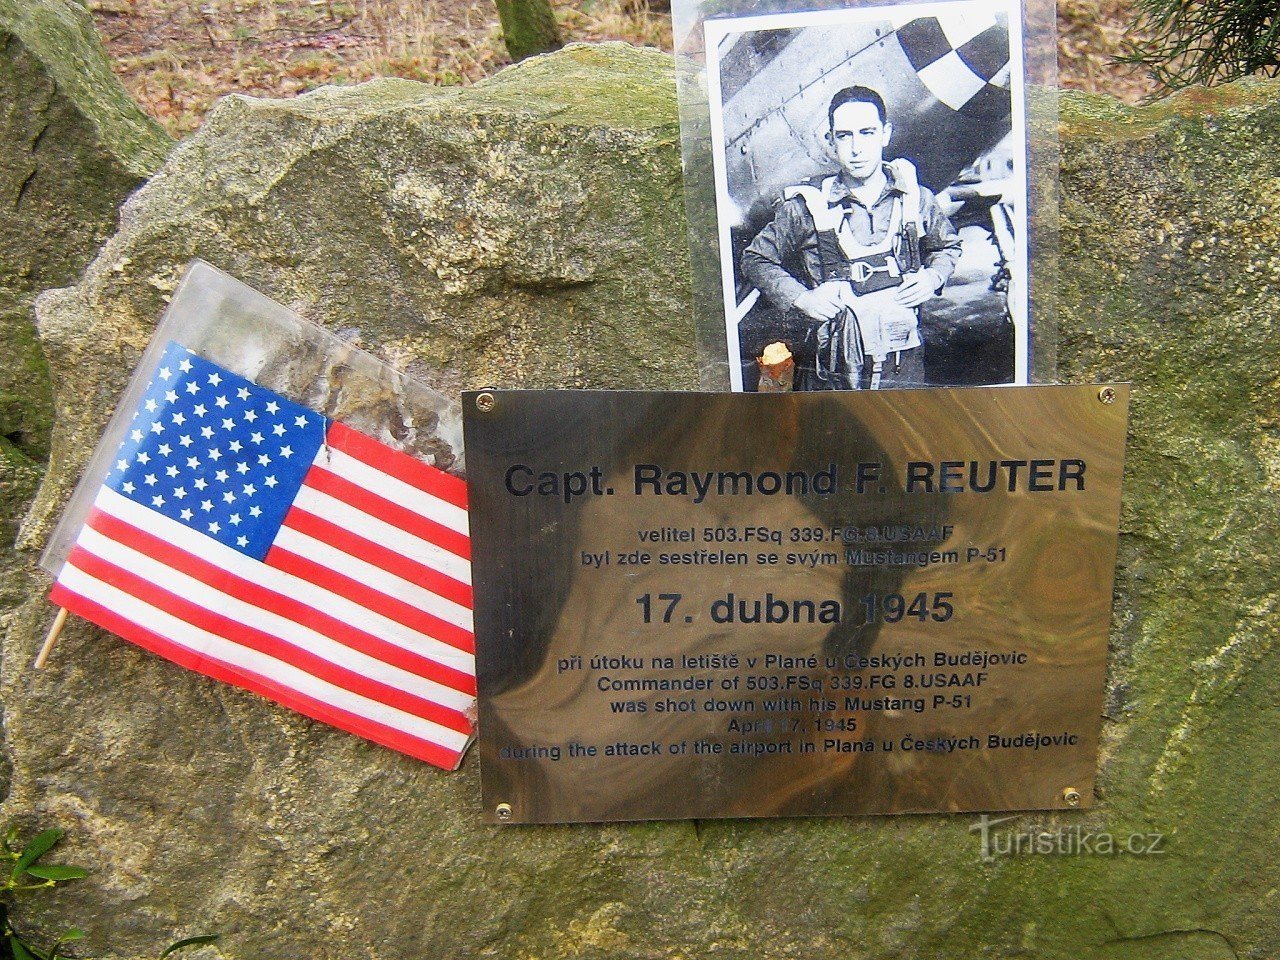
{"x":743,"y":605}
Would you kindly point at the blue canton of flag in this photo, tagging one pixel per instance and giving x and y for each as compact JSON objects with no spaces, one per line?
{"x":216,"y":452}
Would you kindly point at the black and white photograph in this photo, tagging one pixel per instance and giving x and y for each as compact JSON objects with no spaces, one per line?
{"x":871,"y":196}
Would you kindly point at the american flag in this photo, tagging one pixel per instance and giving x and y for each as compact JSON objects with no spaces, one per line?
{"x":256,"y":541}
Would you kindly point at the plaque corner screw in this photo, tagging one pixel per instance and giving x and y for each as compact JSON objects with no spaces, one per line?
{"x":503,"y":812}
{"x":485,"y":402}
{"x":1071,"y":797}
{"x":1107,"y":394}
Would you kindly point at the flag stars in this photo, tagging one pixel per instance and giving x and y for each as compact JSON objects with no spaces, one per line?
{"x":212,"y":487}
{"x":185,"y":365}
{"x":165,"y":373}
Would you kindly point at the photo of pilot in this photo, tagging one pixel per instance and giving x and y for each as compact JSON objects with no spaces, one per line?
{"x":871,"y":245}
{"x":871,"y":196}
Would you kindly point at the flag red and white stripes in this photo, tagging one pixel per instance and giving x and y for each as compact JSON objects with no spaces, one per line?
{"x":339,"y":587}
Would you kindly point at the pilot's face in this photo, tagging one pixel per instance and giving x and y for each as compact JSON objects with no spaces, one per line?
{"x":859,"y":139}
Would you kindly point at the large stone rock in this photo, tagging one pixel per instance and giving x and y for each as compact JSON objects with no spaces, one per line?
{"x":72,"y":146}
{"x":529,"y":231}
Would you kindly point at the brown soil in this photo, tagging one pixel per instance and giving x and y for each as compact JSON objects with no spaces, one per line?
{"x":1091,"y":33}
{"x":179,"y":56}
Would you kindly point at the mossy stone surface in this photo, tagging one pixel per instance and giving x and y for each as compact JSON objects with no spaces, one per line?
{"x":529,"y":231}
{"x":73,"y":145}
{"x":75,"y":142}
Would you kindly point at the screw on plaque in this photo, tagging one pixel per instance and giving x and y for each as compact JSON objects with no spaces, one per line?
{"x":1071,"y":797}
{"x":485,"y":402}
{"x":1107,"y":395}
{"x":503,"y":812}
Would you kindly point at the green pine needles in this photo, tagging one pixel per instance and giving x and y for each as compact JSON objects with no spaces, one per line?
{"x":28,"y":873}
{"x":1205,"y":41}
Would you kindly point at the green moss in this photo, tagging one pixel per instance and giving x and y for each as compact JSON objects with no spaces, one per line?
{"x":61,"y":38}
{"x":25,"y":400}
{"x":610,"y":85}
{"x":73,"y":145}
{"x":19,"y":477}
{"x":528,"y":27}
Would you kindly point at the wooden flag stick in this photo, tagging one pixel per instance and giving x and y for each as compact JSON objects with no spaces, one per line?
{"x":52,"y":638}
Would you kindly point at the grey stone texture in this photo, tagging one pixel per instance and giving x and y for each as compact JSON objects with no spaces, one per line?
{"x":73,"y":144}
{"x":529,"y":231}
